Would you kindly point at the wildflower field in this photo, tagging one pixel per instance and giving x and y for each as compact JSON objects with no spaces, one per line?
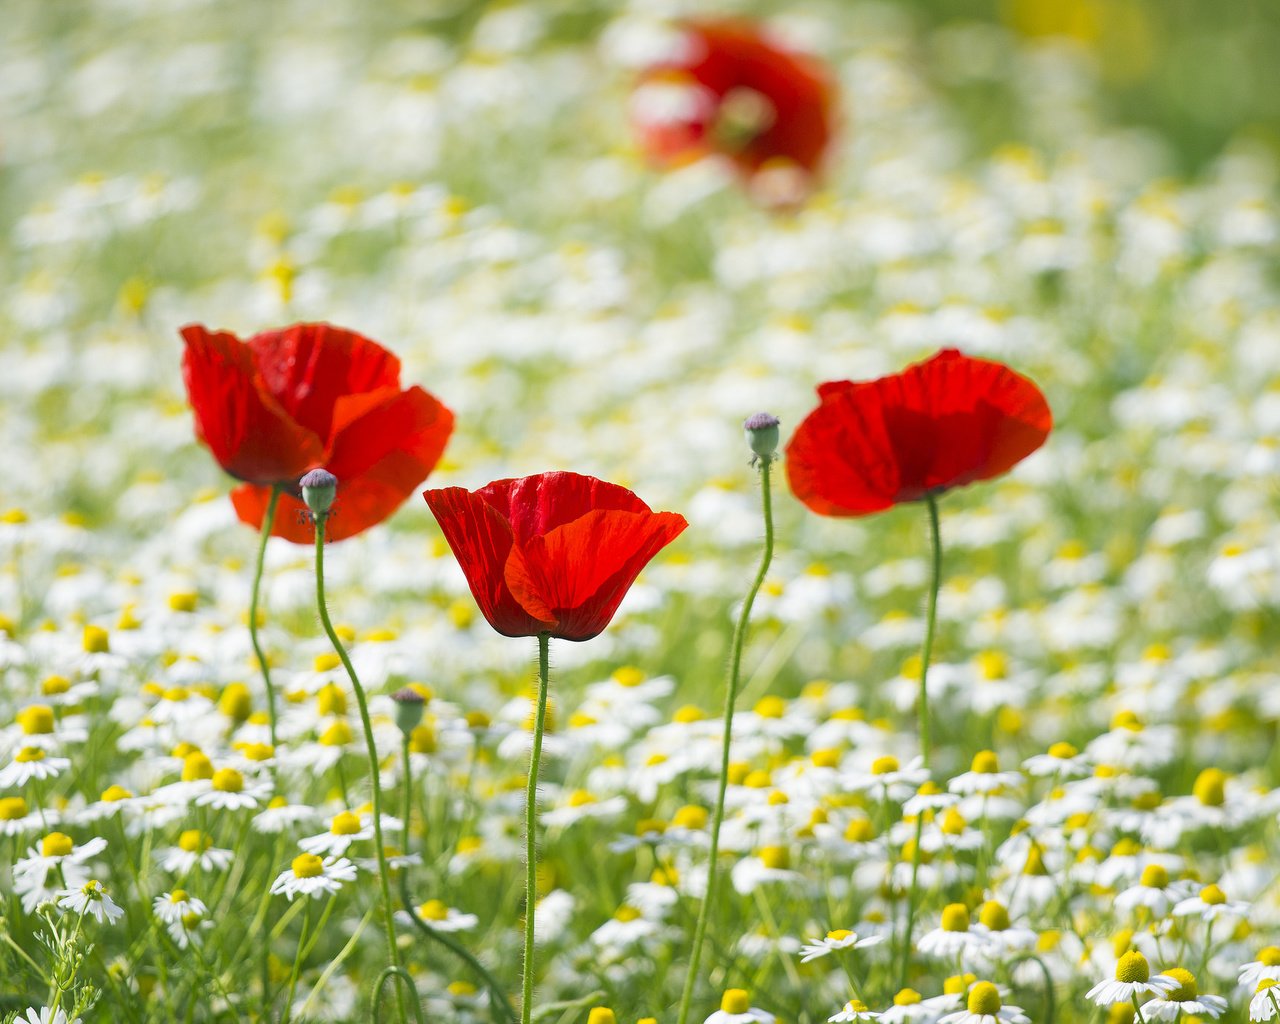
{"x":610,"y":511}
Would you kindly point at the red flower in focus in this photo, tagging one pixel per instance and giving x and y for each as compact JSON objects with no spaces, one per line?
{"x":552,"y":553}
{"x":942,"y":423}
{"x":310,"y":396}
{"x":733,"y":90}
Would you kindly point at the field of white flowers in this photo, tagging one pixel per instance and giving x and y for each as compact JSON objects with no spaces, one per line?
{"x":1089,"y":831}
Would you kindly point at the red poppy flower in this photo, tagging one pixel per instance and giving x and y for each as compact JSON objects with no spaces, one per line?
{"x":732,"y":89}
{"x":552,"y":553}
{"x":310,"y":396}
{"x":942,"y":423}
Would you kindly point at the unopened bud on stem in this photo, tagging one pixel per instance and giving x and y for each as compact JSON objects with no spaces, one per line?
{"x":318,"y":490}
{"x":762,"y":434}
{"x":409,"y":705}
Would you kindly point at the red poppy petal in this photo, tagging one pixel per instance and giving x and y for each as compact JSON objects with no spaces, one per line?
{"x":581,"y":571}
{"x":481,"y":541}
{"x":308,"y":367}
{"x":840,"y":461}
{"x":536,"y":505}
{"x":250,"y":434}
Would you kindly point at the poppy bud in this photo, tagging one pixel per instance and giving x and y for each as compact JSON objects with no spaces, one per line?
{"x":409,"y":703}
{"x":762,"y":434}
{"x":318,"y":488}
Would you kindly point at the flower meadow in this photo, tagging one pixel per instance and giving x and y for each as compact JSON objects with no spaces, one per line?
{"x":627,"y":512}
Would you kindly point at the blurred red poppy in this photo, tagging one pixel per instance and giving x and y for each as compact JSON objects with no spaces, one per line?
{"x":552,"y":553}
{"x":309,"y":396}
{"x":948,"y":421}
{"x":731,"y":89}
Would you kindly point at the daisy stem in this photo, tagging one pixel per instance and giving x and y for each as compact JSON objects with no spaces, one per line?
{"x":530,"y":828}
{"x":268,"y":521}
{"x":1137,"y":1010}
{"x":926,"y":652}
{"x":730,"y":700}
{"x":384,"y":873}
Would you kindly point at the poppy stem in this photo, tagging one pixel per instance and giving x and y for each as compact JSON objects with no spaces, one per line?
{"x":926,"y":653}
{"x":730,"y":700}
{"x":268,"y":521}
{"x":384,"y":872}
{"x":530,"y":828}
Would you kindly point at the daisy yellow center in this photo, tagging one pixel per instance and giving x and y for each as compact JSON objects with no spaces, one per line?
{"x":955,"y":918}
{"x":194,"y":841}
{"x":1212,"y":895}
{"x":114,"y":794}
{"x":735,"y":1000}
{"x":777,"y":857}
{"x":258,"y":751}
{"x":1269,"y":956}
{"x":601,"y":1015}
{"x":1211,"y":787}
{"x":326,"y":662}
{"x":36,"y":720}
{"x":55,"y":685}
{"x":984,"y":999}
{"x":985,"y":763}
{"x":1154,"y":876}
{"x":1265,"y":984}
{"x":190,"y":919}
{"x":690,"y":816}
{"x":56,"y":844}
{"x":1186,"y":984}
{"x":196,"y":767}
{"x":236,"y":702}
{"x":96,"y":640}
{"x":665,"y":875}
{"x":307,"y":865}
{"x":688,"y":713}
{"x":331,"y":700}
{"x":228,"y":780}
{"x":771,"y":707}
{"x":580,"y":798}
{"x":628,"y":676}
{"x":178,"y":896}
{"x":827,"y":757}
{"x":907,"y":997}
{"x":1133,"y":967}
{"x":953,"y":823}
{"x":839,"y":935}
{"x":993,"y":915}
{"x":957,"y":983}
{"x":422,"y":740}
{"x":28,"y":754}
{"x":860,"y":830}
{"x":338,"y":734}
{"x":184,"y":601}
{"x":1126,"y":720}
{"x":855,"y":1006}
{"x":626,"y":914}
{"x":884,"y":765}
{"x":433,"y":910}
{"x":12,"y":808}
{"x":345,"y":824}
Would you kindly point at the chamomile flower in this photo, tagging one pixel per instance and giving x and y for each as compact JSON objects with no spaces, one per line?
{"x":907,"y":1008}
{"x":1063,"y":761}
{"x":308,"y":875}
{"x":1266,"y":966}
{"x":1183,"y":999}
{"x":1132,"y":978}
{"x":56,"y":854}
{"x":770,"y":864}
{"x":984,"y":1006}
{"x":1265,"y":1004}
{"x":31,"y":763}
{"x":171,"y":907}
{"x":736,"y":1008}
{"x":345,"y":828}
{"x":1154,"y":890}
{"x":443,"y":918}
{"x":953,"y":937}
{"x":15,"y":817}
{"x":853,"y":1010}
{"x":834,"y":941}
{"x":984,"y":776}
{"x":230,"y":791}
{"x":194,"y":848}
{"x":90,"y":899}
{"x":1210,"y":904}
{"x":46,"y":1015}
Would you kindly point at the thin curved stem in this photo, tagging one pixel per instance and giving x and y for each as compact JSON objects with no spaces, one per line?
{"x":1050,"y":1001}
{"x":531,"y":826}
{"x":730,"y":700}
{"x":384,"y":872}
{"x":268,"y":521}
{"x":491,"y":983}
{"x":926,"y":653}
{"x":400,"y":974}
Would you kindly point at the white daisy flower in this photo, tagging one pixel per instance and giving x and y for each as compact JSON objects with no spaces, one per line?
{"x":31,"y":763}
{"x":45,"y":1015}
{"x":984,"y":776}
{"x":1133,"y":978}
{"x":1062,"y":761}
{"x":230,"y":792}
{"x":1183,"y":999}
{"x":839,"y":939}
{"x":907,"y":1008}
{"x":1210,"y":904}
{"x":308,"y":875}
{"x":170,"y":907}
{"x":345,"y":828}
{"x":442,"y":918}
{"x":984,"y":1006}
{"x":92,"y":899}
{"x":1267,"y":966}
{"x":853,"y":1010}
{"x":1264,"y":1005}
{"x":953,"y":936}
{"x":736,"y":1008}
{"x":194,"y":847}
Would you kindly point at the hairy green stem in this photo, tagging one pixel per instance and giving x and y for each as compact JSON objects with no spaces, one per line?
{"x":530,"y":828}
{"x":730,"y":700}
{"x":384,"y":872}
{"x":268,"y":521}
